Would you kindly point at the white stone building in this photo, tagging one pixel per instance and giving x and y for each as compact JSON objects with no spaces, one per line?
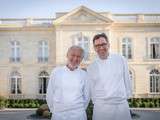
{"x":30,"y":48}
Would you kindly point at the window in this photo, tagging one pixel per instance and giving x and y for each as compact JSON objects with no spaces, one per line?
{"x":43,"y":51}
{"x":155,"y":81}
{"x":127,"y":48}
{"x":43,"y":82}
{"x":15,"y":51}
{"x":132,"y":80}
{"x":83,"y":42}
{"x":155,"y":48}
{"x":15,"y":83}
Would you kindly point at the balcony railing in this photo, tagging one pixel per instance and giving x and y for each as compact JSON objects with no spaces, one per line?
{"x":27,"y":21}
{"x":16,"y":96}
{"x":117,"y":18}
{"x":15,"y":59}
{"x":41,"y":96}
{"x":151,"y":58}
{"x":23,"y":96}
{"x":136,"y":18}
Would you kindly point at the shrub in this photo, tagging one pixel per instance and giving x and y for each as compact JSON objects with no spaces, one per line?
{"x":33,"y":105}
{"x":2,"y":102}
{"x":39,"y":112}
{"x":21,"y":105}
{"x":37,"y":105}
{"x":151,"y":104}
{"x":134,"y":104}
{"x":44,"y":107}
{"x":89,"y":111}
{"x":146,"y":105}
{"x":142,"y":105}
{"x":41,"y":109}
{"x":46,"y":114}
{"x":26,"y":105}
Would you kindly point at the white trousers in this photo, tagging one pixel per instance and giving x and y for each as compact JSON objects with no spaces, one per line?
{"x":75,"y":114}
{"x":111,"y":111}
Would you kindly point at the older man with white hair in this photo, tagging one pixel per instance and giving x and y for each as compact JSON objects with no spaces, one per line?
{"x":68,"y":89}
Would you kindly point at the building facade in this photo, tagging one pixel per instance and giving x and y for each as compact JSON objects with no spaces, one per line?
{"x":30,"y":48}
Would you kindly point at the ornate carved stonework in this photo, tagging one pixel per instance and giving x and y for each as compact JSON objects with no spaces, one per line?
{"x":83,"y":17}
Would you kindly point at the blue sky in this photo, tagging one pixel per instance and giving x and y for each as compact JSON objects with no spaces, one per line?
{"x":48,"y":8}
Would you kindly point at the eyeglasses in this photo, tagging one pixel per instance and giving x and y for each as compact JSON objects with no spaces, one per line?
{"x":100,"y":45}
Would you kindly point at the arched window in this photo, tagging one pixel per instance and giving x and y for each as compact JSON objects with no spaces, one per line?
{"x":43,"y":82}
{"x":155,"y":48}
{"x":83,"y":42}
{"x":127,"y":48}
{"x":15,"y":81}
{"x":155,"y":81}
{"x":43,"y":51}
{"x":15,"y":51}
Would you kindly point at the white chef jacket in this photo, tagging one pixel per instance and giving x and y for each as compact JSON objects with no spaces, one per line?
{"x":110,"y":85}
{"x":68,"y":92}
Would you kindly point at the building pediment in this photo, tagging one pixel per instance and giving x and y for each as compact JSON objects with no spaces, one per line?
{"x":82,"y":15}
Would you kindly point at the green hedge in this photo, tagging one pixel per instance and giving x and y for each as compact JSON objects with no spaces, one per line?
{"x":144,"y":102}
{"x":2,"y":102}
{"x":22,"y":103}
{"x":35,"y":103}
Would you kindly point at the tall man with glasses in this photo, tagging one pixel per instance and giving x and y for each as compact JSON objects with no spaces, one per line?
{"x":110,"y":82}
